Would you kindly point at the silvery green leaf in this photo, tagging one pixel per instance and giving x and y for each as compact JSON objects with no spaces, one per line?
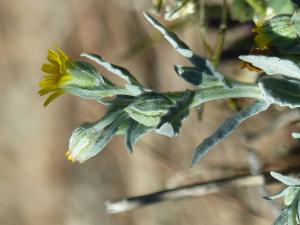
{"x":292,"y":215}
{"x":184,"y":50}
{"x":201,"y":77}
{"x":298,"y":210}
{"x":285,"y":179}
{"x":107,"y":119}
{"x":118,"y":70}
{"x":282,"y":218}
{"x":170,"y":123}
{"x":134,"y":132}
{"x":273,"y":65}
{"x":227,"y":128}
{"x":122,"y":129}
{"x":282,"y":90}
{"x":119,"y":103}
{"x":97,"y":93}
{"x":107,"y":133}
{"x":278,"y":195}
{"x":135,"y":90}
{"x":149,"y":107}
{"x":293,"y":192}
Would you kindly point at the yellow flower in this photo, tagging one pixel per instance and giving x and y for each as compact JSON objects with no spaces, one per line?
{"x":57,"y":74}
{"x":74,"y":77}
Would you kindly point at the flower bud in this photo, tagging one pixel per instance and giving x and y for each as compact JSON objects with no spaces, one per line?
{"x":82,"y":143}
{"x":90,"y":139}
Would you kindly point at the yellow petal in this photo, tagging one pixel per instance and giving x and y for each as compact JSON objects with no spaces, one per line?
{"x":50,"y":68}
{"x":53,"y":96}
{"x":53,"y":56}
{"x":63,"y":54}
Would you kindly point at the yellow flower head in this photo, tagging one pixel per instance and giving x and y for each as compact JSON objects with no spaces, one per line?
{"x":56,"y":74}
{"x":74,"y":77}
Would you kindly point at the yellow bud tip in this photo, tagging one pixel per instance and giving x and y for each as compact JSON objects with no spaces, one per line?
{"x":69,"y":156}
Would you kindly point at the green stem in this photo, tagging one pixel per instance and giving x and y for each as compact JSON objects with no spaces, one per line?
{"x":238,"y":90}
{"x":203,"y":28}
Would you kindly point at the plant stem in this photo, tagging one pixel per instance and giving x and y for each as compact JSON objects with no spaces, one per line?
{"x":203,"y":28}
{"x":239,"y":90}
{"x":221,"y":35}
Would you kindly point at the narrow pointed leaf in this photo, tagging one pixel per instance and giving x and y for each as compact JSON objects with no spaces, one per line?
{"x":134,"y":132}
{"x":183,"y":49}
{"x":201,"y":77}
{"x":107,"y":134}
{"x":282,"y":218}
{"x":227,"y":128}
{"x":292,"y":215}
{"x":170,"y":123}
{"x":118,"y":70}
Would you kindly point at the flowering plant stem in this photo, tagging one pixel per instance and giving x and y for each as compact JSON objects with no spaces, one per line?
{"x":238,"y":90}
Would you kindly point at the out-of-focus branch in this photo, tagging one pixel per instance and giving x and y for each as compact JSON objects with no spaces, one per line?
{"x":221,"y":35}
{"x":203,"y":28}
{"x":195,"y":190}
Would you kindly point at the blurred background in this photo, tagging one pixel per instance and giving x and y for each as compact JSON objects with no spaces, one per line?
{"x":39,"y":186}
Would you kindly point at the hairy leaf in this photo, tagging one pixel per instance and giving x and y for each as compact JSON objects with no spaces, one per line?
{"x":118,"y":70}
{"x":201,"y":77}
{"x":282,"y":218}
{"x":292,"y":215}
{"x":293,"y":192}
{"x":170,"y":123}
{"x":148,"y":108}
{"x":184,"y":50}
{"x":274,"y":65}
{"x":282,"y":90}
{"x":134,"y":132}
{"x":227,"y":128}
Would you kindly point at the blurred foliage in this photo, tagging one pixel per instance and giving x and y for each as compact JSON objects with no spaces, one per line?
{"x":133,"y":110}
